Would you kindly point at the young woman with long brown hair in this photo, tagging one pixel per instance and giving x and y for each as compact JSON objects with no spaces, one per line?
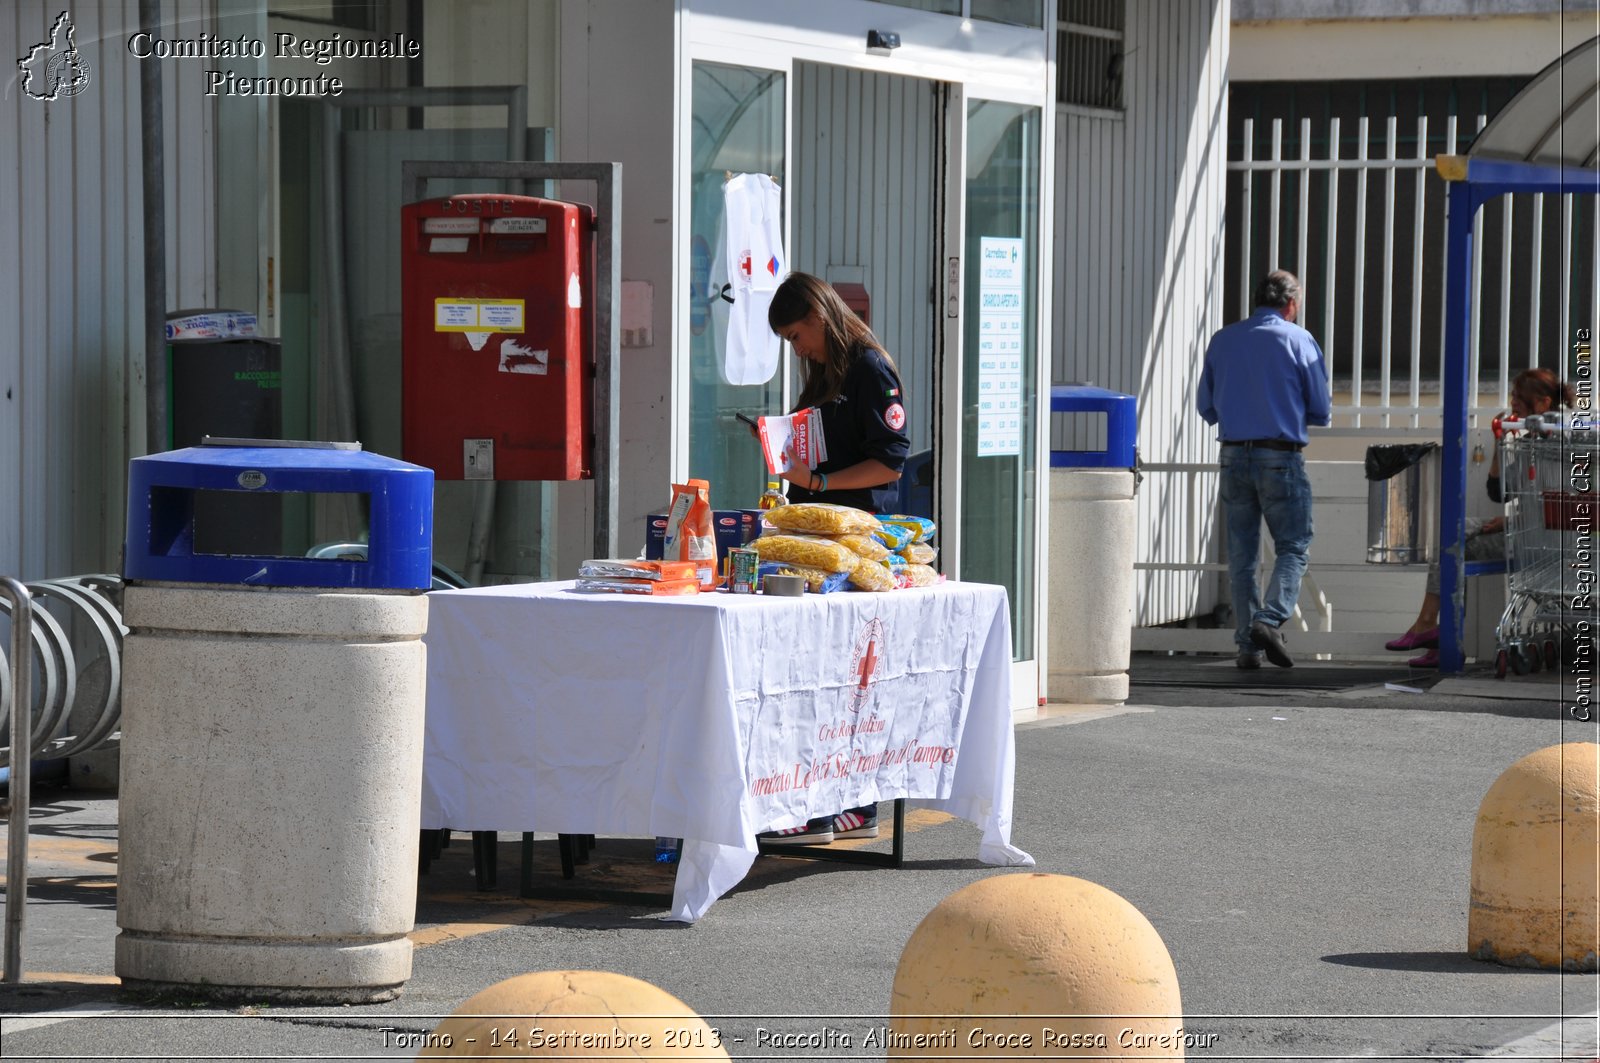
{"x":846,"y":373}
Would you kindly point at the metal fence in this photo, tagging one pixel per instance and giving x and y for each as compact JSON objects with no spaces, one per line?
{"x":1360,"y":218}
{"x":69,"y":716}
{"x":76,"y":631}
{"x":1355,"y":207}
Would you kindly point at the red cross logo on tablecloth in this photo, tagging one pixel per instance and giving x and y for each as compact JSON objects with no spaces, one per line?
{"x":868,"y":663}
{"x":869,"y":644}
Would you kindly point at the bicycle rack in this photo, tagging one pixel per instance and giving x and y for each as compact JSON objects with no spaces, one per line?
{"x":46,"y":728}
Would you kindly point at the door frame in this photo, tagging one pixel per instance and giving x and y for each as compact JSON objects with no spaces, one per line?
{"x":989,"y":61}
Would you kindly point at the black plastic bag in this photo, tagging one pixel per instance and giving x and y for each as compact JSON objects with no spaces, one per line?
{"x":1390,"y":459}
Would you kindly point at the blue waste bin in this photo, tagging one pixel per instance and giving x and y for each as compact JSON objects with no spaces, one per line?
{"x":1121,"y":427}
{"x":163,"y":490}
{"x":1092,"y":536}
{"x":271,"y":733}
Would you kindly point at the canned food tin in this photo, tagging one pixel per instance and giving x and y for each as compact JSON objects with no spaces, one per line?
{"x":742,"y":564}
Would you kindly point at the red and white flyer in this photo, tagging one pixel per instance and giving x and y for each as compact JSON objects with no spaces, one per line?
{"x":791,"y":439}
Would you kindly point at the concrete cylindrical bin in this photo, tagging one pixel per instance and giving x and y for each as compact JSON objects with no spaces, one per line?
{"x":272,"y":736}
{"x":1092,"y":535}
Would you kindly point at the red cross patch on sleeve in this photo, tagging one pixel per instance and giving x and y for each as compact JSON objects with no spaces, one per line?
{"x":895,"y":417}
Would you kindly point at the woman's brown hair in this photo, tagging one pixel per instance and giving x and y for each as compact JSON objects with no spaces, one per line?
{"x":846,"y":335}
{"x":1531,"y":384}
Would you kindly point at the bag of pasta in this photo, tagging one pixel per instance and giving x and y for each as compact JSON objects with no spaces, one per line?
{"x":820,"y":518}
{"x":919,"y":553}
{"x":864,"y":545}
{"x":921,"y":528}
{"x":893,"y":536}
{"x":818,"y":581}
{"x":813,"y":550}
{"x":871,"y":576}
{"x":922,"y":576}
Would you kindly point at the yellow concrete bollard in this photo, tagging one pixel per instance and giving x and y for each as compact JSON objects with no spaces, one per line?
{"x":573,"y":1015}
{"x":1080,"y":958}
{"x":1535,"y":856}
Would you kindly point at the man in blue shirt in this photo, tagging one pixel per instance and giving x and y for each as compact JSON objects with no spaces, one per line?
{"x":1264,"y":381}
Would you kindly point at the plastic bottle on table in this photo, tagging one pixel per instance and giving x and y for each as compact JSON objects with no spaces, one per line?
{"x":771,"y":498}
{"x":667,"y":849}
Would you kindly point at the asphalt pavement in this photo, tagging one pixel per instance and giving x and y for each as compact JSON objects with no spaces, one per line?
{"x":1300,"y":840}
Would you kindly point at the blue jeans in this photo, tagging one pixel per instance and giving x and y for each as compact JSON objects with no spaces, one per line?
{"x":1269,"y":484}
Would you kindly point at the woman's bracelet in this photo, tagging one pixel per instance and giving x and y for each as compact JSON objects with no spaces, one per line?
{"x":822,"y":480}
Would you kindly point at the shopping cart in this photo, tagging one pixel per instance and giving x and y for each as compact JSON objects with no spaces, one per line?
{"x":1552,"y":518}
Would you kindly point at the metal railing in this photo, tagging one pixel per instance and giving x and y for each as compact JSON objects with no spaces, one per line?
{"x":21,"y":693}
{"x":1313,"y":612}
{"x":68,"y":720}
{"x":1360,"y":220}
{"x":1535,"y":303}
{"x":54,"y":725}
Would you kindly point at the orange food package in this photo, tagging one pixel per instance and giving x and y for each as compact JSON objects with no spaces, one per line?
{"x":690,"y":535}
{"x":675,"y":586}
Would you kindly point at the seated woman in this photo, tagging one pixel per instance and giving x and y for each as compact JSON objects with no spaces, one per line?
{"x":1533,"y":391}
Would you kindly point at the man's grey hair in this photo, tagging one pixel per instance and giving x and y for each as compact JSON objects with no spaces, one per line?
{"x":1277,"y":288}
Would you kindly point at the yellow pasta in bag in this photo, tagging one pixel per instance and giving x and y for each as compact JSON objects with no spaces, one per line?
{"x":922,"y":575}
{"x":870,"y":575}
{"x":921,"y":528}
{"x":824,"y":518}
{"x":818,"y":581}
{"x":813,"y":550}
{"x":893,"y":536}
{"x":919,"y":553}
{"x":864,"y":545}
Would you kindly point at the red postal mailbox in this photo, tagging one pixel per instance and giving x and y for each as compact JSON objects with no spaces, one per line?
{"x":497,"y":343}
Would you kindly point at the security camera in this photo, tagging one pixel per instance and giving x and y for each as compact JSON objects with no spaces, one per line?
{"x":882,"y":42}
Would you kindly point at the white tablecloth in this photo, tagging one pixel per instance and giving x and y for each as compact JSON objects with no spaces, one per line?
{"x":712,"y":717}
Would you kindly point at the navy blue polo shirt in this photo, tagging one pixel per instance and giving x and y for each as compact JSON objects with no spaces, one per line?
{"x":867,"y":419}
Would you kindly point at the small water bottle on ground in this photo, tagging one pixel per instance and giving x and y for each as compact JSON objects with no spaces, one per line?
{"x":667,"y":849}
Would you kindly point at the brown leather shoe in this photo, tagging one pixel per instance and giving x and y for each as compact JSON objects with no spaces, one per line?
{"x":1270,"y":639}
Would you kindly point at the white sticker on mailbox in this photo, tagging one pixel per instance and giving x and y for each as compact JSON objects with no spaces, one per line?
{"x":518,"y":225}
{"x":454,"y":315}
{"x":478,"y":315}
{"x":515,"y":358}
{"x":455,"y":226}
{"x":501,"y":315}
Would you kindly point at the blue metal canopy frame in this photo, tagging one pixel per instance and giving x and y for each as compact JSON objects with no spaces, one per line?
{"x":1471,"y":182}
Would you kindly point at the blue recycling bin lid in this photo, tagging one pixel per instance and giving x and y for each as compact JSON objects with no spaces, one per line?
{"x":1122,"y":426}
{"x":163,"y":490}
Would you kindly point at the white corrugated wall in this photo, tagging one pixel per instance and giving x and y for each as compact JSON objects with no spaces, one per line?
{"x":1139,"y":213}
{"x":864,"y":174}
{"x":72,"y":277}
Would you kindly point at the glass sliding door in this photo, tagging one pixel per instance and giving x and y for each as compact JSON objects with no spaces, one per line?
{"x":737,"y":115}
{"x":1000,"y":355}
